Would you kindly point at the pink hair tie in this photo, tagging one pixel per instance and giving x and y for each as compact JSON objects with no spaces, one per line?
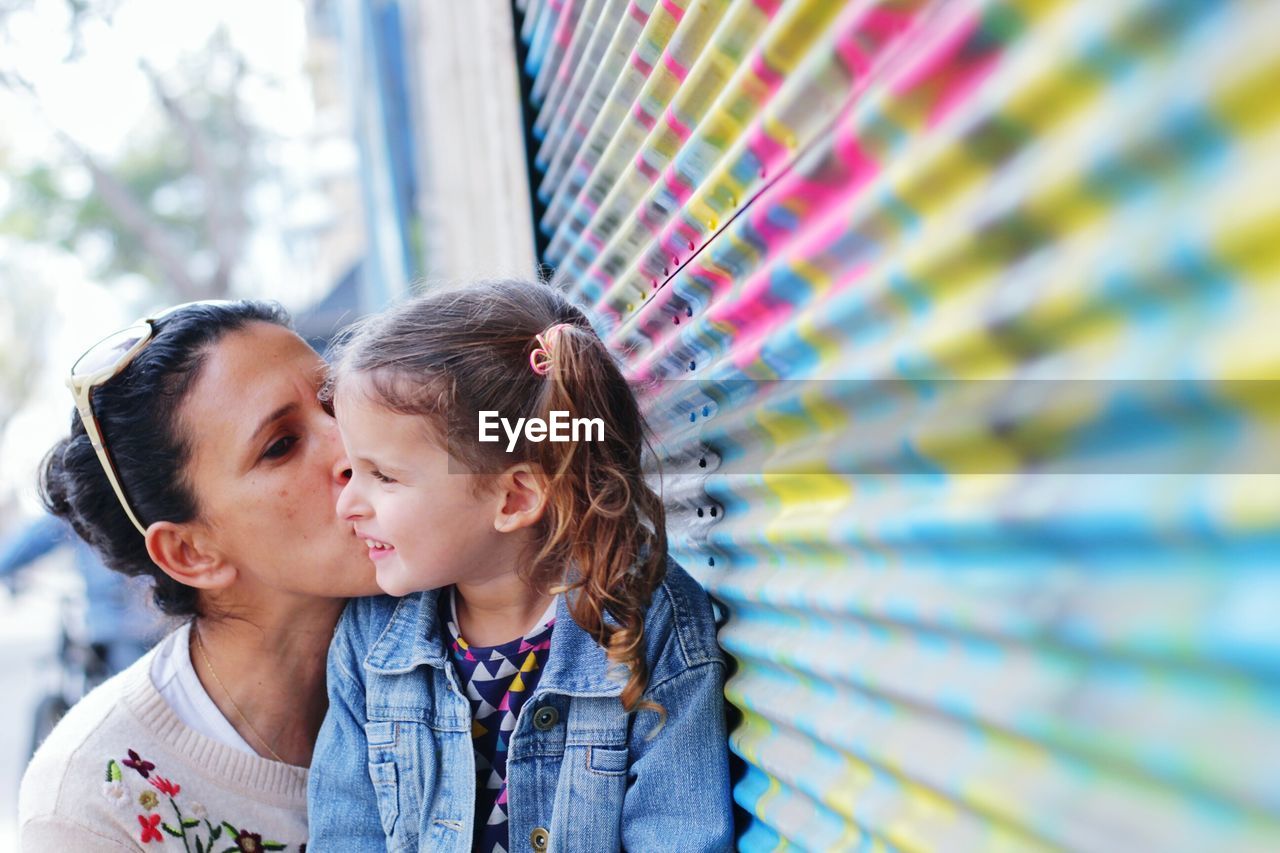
{"x":540,"y":358}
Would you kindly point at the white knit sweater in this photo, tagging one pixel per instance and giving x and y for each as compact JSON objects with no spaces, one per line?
{"x":122,"y":772}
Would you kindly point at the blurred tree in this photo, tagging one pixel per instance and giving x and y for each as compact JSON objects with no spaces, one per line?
{"x":24,"y":315}
{"x":171,"y":206}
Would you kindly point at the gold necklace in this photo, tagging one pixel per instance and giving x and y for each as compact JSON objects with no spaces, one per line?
{"x":225,"y":692}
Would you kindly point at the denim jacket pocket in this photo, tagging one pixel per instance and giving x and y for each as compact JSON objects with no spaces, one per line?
{"x":380,"y":733}
{"x":383,"y":775}
{"x":607,"y":760}
{"x":382,"y":736}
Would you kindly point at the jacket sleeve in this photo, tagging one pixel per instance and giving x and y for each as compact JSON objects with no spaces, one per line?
{"x":679,"y":797}
{"x":341,"y":804}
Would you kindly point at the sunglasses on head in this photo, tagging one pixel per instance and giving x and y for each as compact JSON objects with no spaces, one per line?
{"x":101,"y":363}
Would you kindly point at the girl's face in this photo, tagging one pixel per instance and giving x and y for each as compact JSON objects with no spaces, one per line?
{"x":267,"y":466}
{"x":424,"y":526}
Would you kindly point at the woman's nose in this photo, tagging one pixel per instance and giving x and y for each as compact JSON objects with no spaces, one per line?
{"x":340,"y":464}
{"x":342,"y":470}
{"x":349,"y":506}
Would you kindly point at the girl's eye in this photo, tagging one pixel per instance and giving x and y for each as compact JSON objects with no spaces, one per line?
{"x":280,"y":447}
{"x":380,"y":477}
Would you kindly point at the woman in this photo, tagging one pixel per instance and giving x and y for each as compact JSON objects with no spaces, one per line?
{"x":216,"y":474}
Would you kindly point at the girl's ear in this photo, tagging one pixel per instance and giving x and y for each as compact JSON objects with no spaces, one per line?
{"x":182,"y":554}
{"x":521,"y":497}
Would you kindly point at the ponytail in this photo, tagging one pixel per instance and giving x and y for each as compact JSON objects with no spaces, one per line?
{"x":602,"y":518}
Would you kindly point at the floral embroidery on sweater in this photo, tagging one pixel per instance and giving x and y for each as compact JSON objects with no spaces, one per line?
{"x":190,"y":821}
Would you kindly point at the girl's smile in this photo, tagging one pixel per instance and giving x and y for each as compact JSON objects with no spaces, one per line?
{"x":378,"y":550}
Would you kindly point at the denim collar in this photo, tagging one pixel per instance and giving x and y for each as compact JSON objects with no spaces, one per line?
{"x":414,"y":636}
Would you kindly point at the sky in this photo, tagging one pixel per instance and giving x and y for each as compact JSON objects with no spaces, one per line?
{"x":99,"y":99}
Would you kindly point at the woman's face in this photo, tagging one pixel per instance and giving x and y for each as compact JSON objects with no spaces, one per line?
{"x":267,"y":466}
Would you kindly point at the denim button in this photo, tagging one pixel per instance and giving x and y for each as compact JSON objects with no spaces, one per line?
{"x":538,"y":838}
{"x":545,"y":718}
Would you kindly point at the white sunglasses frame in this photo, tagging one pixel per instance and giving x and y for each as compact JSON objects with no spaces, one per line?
{"x":82,"y":387}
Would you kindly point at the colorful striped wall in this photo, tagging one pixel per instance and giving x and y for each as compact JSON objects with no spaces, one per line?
{"x":959,"y":326}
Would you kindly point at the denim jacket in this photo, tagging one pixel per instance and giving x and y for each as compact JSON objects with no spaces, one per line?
{"x":394,"y":765}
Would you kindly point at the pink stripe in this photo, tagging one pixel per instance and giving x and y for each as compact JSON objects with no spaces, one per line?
{"x":804,"y":197}
{"x":753,"y":306}
{"x":768,"y":151}
{"x":643,"y":117}
{"x":952,"y":69}
{"x":638,"y":63}
{"x":818,"y":199}
{"x":769,"y":7}
{"x":772,"y":79}
{"x":885,"y":23}
{"x":854,"y":56}
{"x":678,"y":127}
{"x":672,"y":9}
{"x":756,"y":308}
{"x":861,"y":165}
{"x":675,"y":184}
{"x":643,"y":167}
{"x":705,"y":270}
{"x":857,"y":45}
{"x":637,"y":14}
{"x":674,"y":67}
{"x":865,"y":37}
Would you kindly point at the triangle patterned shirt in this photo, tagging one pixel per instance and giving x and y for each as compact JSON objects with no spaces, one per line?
{"x":497,"y":680}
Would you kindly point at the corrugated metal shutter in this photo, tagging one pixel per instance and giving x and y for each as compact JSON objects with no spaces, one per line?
{"x":966,"y":613}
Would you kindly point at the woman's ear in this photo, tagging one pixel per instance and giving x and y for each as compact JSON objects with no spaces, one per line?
{"x":181,"y":554}
{"x":521,"y":497}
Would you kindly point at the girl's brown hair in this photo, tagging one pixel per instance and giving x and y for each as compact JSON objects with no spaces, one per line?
{"x":450,"y":354}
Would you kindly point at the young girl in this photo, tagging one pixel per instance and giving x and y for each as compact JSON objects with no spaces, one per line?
{"x":550,"y":680}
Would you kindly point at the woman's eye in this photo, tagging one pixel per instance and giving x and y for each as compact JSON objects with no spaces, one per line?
{"x":280,"y":447}
{"x":381,"y":477}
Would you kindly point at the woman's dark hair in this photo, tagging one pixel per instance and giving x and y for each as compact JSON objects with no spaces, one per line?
{"x":137,"y":411}
{"x":450,"y":354}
